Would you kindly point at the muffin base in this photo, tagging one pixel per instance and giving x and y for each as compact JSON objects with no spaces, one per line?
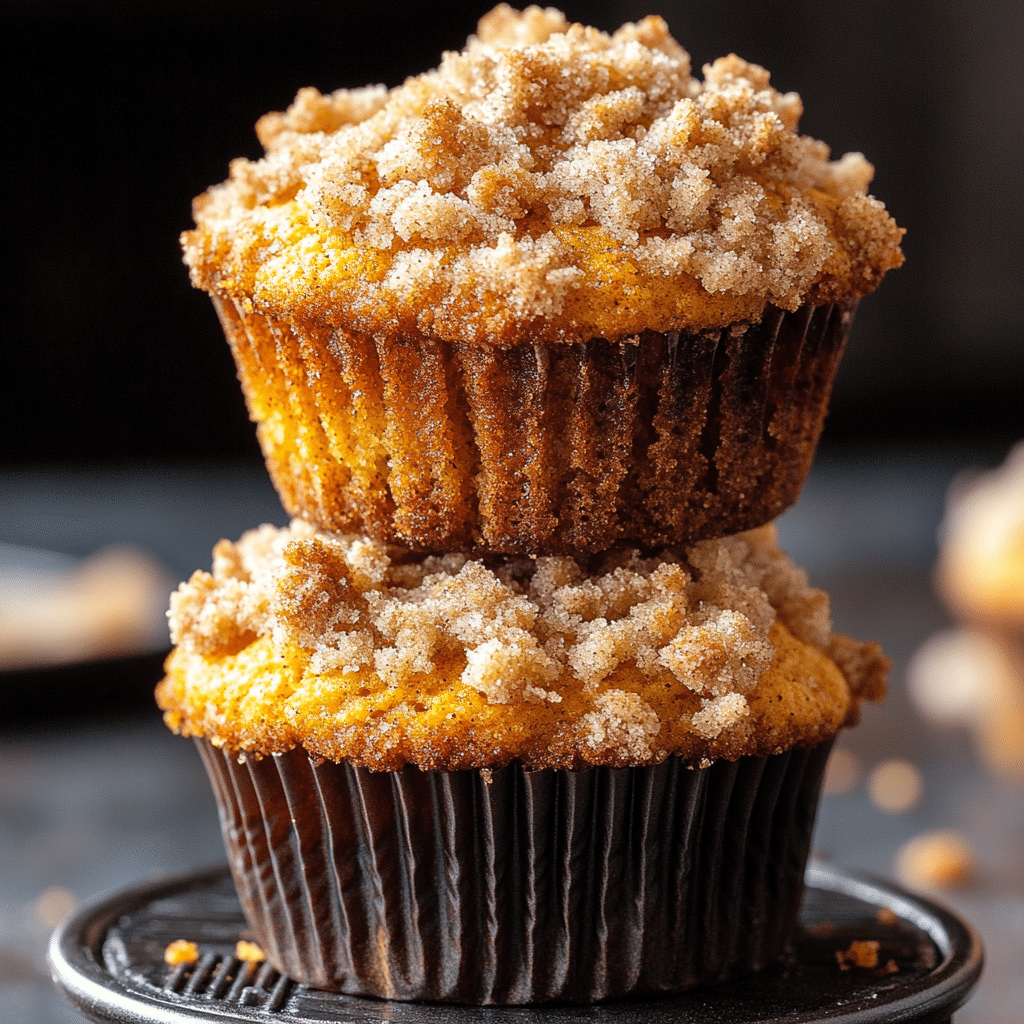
{"x":514,"y":887}
{"x":546,"y":448}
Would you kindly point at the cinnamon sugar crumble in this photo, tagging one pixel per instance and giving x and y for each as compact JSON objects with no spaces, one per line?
{"x":381,"y":656}
{"x":549,"y":178}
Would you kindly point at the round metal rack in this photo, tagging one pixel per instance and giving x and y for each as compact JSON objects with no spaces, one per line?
{"x":108,"y":961}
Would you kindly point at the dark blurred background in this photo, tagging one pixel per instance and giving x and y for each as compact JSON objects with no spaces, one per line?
{"x":118,"y":113}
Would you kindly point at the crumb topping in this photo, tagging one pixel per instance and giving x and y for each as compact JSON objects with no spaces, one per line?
{"x":361,"y":651}
{"x":548,"y":180}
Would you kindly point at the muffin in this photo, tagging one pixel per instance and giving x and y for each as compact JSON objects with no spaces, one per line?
{"x":981,"y":568}
{"x":975,"y":674}
{"x":512,"y":779}
{"x":554,"y":295}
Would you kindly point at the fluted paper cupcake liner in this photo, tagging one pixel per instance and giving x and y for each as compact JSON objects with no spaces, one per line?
{"x":513,"y":886}
{"x":543,"y":448}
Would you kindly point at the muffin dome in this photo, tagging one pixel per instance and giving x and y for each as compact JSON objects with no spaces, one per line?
{"x":383,"y":659}
{"x":549,"y":181}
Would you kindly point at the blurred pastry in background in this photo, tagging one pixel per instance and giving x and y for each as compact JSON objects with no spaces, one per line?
{"x":56,"y":610}
{"x":942,"y":859}
{"x":981,"y":567}
{"x":555,"y":295}
{"x":975,"y":675}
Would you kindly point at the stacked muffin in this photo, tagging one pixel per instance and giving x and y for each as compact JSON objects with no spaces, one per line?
{"x":527,"y":704}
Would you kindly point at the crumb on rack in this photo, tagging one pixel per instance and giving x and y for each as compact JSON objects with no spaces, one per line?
{"x":862,"y":953}
{"x":181,"y":951}
{"x":248,"y":951}
{"x":528,"y":175}
{"x":935,"y":859}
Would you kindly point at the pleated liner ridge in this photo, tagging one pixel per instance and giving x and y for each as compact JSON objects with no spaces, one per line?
{"x":539,"y":448}
{"x":536,"y":886}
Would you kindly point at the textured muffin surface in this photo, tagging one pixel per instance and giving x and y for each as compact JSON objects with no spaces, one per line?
{"x":361,"y":652}
{"x":540,"y":449}
{"x":549,"y":181}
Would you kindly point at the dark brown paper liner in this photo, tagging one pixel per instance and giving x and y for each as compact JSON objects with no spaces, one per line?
{"x":531,"y":887}
{"x":540,"y":448}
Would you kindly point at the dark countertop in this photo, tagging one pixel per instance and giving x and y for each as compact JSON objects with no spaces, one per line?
{"x":88,"y":805}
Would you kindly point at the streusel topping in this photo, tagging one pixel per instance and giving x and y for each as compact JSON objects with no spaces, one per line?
{"x":374,"y":654}
{"x":548,"y":181}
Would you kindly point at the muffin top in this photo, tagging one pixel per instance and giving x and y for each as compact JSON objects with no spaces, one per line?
{"x":549,"y":182}
{"x":384,"y":658}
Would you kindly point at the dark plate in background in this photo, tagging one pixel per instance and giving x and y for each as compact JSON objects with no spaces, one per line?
{"x":108,"y":687}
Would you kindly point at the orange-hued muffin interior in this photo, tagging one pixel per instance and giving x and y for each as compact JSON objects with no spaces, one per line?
{"x":361,"y":652}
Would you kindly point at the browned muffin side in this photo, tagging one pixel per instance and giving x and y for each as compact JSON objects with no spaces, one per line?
{"x":553,"y":295}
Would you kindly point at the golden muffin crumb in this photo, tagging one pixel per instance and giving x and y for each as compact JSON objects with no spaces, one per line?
{"x":384,"y":657}
{"x":862,"y":953}
{"x":887,"y":916}
{"x":249,"y":951}
{"x":181,"y":951}
{"x":551,"y":181}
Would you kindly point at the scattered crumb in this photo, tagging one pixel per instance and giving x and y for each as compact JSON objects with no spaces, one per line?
{"x":181,"y":951}
{"x":891,"y":967}
{"x":861,"y":953}
{"x":935,"y":859}
{"x":841,"y":774}
{"x":887,"y":916}
{"x":55,"y":905}
{"x":895,"y":786}
{"x":248,"y":951}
